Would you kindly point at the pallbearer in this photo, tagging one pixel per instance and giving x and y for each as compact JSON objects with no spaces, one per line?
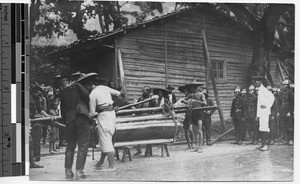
{"x":101,"y":106}
{"x":187,"y":123}
{"x":197,"y":100}
{"x":171,"y":95}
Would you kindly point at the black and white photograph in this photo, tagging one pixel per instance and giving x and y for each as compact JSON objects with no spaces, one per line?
{"x":140,"y":91}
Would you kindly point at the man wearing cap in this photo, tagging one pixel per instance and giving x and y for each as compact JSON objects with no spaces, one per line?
{"x":237,"y":114}
{"x":101,"y":106}
{"x":273,"y":118}
{"x":251,"y":109}
{"x":286,"y":110}
{"x":171,"y":95}
{"x":207,"y":117}
{"x":75,"y":113}
{"x":265,"y":100}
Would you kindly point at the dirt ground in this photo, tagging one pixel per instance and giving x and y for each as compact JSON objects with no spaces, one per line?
{"x":220,"y":162}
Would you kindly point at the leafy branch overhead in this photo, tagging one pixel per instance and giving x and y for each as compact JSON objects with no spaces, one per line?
{"x":272,"y":25}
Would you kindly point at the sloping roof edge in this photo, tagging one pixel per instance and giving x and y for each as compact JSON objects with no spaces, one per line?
{"x":137,"y":25}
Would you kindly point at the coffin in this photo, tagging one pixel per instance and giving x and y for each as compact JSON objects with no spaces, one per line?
{"x":149,"y":127}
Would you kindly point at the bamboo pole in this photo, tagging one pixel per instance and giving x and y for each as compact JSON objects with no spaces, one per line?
{"x":135,"y":104}
{"x":213,"y":80}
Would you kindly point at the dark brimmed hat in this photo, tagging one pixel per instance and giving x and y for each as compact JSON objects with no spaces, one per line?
{"x":156,"y":90}
{"x":76,"y":74}
{"x":170,"y":87}
{"x":182,"y":88}
{"x":85,"y":77}
{"x":195,"y":84}
{"x":100,"y":80}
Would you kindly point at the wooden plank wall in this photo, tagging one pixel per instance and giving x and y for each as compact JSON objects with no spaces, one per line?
{"x":143,"y":54}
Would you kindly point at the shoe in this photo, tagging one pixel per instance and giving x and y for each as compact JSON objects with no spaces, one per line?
{"x":108,"y":169}
{"x":271,"y":142}
{"x":137,"y":153}
{"x":250,"y":143}
{"x":51,"y":152}
{"x":290,"y":143}
{"x":255,"y":142}
{"x":199,"y":151}
{"x":37,"y":159}
{"x":34,"y":165}
{"x":62,"y":144}
{"x":265,"y":148}
{"x":259,"y":147}
{"x":98,"y":164}
{"x":69,"y":173}
{"x":240,"y":143}
{"x":80,"y":175}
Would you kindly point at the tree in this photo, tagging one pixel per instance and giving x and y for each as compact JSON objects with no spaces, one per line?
{"x":264,"y":20}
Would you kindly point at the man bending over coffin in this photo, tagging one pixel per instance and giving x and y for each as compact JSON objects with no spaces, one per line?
{"x":101,"y":106}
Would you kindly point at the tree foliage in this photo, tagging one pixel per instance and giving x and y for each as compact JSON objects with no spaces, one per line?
{"x":272,"y":24}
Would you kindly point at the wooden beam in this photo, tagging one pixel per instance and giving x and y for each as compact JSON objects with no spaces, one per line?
{"x":280,"y":70}
{"x":166,"y":53}
{"x":207,"y":64}
{"x":122,"y":74}
{"x":213,"y":80}
{"x":222,"y":135}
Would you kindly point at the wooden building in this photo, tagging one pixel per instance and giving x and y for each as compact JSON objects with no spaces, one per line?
{"x":169,"y":50}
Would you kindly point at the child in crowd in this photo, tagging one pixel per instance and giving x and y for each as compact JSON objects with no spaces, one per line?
{"x":53,"y":129}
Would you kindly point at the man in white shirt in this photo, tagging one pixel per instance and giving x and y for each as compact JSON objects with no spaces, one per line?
{"x":101,"y":107}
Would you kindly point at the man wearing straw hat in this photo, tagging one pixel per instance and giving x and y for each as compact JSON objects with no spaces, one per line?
{"x":187,"y":123}
{"x":197,"y":100}
{"x":101,"y":106}
{"x":75,"y":114}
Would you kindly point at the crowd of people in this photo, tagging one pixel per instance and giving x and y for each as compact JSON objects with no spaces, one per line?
{"x":85,"y":100}
{"x":265,"y":113}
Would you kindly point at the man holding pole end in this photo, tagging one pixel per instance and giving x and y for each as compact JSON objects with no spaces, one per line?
{"x":74,"y":111}
{"x":102,"y":108}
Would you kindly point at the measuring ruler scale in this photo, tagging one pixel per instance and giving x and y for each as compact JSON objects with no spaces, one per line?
{"x":14,"y":111}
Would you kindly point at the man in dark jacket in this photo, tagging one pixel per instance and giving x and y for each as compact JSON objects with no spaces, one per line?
{"x":75,"y":113}
{"x":237,"y":115}
{"x":251,"y":121}
{"x":273,"y":119}
{"x":286,"y":110}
